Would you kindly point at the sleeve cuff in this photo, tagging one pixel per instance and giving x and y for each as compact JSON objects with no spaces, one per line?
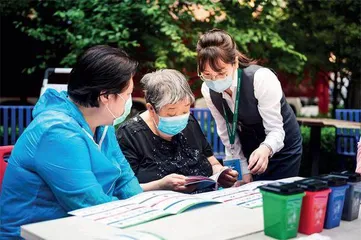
{"x":270,"y":147}
{"x":130,"y":189}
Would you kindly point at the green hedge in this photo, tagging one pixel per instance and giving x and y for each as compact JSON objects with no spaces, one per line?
{"x":328,"y":136}
{"x":9,"y":135}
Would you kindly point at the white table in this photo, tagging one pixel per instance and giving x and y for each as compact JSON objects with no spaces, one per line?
{"x":216,"y":222}
{"x":67,"y":229}
{"x":221,"y":221}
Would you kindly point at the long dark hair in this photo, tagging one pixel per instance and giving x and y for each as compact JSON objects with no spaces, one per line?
{"x":216,"y":45}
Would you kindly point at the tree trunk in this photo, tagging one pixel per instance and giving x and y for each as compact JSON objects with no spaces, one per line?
{"x":354,"y":91}
{"x":335,"y":93}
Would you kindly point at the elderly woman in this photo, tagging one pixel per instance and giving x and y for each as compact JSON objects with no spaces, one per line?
{"x":165,"y":143}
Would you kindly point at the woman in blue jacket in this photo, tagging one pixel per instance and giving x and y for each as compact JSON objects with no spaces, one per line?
{"x":68,"y":157}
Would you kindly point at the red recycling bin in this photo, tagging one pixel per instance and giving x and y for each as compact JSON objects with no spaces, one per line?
{"x":314,"y":205}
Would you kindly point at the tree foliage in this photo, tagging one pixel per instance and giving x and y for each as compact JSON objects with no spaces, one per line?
{"x":329,"y":34}
{"x":158,"y":33}
{"x":287,"y":35}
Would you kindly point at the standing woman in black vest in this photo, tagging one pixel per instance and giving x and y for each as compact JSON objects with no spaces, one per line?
{"x":254,"y":121}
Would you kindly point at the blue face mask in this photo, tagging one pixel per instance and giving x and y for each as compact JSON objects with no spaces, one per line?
{"x":220,"y":85}
{"x":173,"y":125}
{"x":127,"y":109}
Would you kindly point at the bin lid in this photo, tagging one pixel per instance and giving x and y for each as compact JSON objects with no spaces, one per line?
{"x":332,"y":180}
{"x":349,"y":176}
{"x":282,"y":188}
{"x":312,"y":185}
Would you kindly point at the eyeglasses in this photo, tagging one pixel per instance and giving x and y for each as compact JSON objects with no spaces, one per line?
{"x":207,"y":77}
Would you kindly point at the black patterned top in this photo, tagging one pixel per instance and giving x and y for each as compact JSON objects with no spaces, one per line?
{"x":152,"y":158}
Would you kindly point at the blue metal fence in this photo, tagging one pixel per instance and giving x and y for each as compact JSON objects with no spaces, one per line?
{"x":13,"y":121}
{"x":346,"y":139}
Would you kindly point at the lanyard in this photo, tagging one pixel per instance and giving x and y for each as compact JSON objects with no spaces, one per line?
{"x":232,"y":132}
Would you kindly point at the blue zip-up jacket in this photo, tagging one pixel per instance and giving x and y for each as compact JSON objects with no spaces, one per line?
{"x":56,"y":167}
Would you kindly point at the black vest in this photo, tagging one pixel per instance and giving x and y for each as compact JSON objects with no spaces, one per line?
{"x":252,"y":132}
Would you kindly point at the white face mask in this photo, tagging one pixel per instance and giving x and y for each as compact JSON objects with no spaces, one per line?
{"x":127,"y":109}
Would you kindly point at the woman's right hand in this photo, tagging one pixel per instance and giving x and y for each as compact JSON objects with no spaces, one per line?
{"x":172,"y":182}
{"x":175,"y":182}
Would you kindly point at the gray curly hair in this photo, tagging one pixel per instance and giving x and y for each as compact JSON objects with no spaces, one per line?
{"x":166,"y":86}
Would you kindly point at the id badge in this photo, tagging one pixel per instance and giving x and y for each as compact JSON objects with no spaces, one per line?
{"x":234,"y":164}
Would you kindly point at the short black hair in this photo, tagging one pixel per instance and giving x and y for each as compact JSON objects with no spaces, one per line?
{"x":100,"y":69}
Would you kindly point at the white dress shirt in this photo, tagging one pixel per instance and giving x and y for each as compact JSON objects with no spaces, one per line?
{"x":268,"y":92}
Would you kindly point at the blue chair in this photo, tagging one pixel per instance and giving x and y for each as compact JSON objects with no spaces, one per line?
{"x":13,"y":121}
{"x":346,"y":139}
{"x":209,"y":128}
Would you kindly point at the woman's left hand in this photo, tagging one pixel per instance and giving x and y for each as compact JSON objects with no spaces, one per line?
{"x":228,"y":178}
{"x":258,"y":161}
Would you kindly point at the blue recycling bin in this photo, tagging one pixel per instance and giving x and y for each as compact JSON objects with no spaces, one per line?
{"x":336,"y":200}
